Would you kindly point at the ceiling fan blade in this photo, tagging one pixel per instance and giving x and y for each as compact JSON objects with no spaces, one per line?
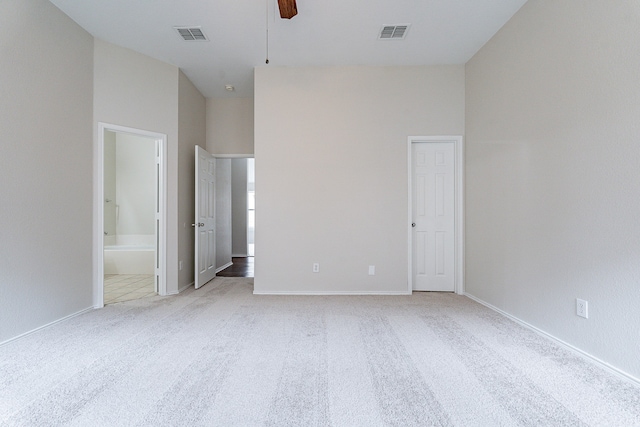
{"x":288,"y":8}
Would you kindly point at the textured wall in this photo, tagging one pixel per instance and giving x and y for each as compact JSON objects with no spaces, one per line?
{"x":191,"y":132}
{"x":223,"y":212}
{"x":332,"y":173}
{"x":135,"y":184}
{"x":230,"y":126}
{"x":239,"y":207}
{"x":553,"y":177}
{"x":46,"y":90}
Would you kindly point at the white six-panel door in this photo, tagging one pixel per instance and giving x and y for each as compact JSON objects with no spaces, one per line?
{"x":433,"y":209}
{"x":205,"y":245}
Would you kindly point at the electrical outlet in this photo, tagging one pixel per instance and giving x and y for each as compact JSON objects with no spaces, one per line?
{"x":316,"y":267}
{"x":582,"y":308}
{"x":372,"y":270}
{"x":180,"y":265}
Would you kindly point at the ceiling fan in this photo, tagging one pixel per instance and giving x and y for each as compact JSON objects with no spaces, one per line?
{"x":288,"y":8}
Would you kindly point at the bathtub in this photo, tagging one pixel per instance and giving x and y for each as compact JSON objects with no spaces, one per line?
{"x":129,"y":254}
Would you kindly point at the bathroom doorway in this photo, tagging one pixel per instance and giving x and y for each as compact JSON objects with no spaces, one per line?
{"x":131,"y":243}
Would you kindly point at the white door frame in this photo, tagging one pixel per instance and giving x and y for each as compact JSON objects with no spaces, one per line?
{"x":459,"y":206}
{"x":98,"y":209}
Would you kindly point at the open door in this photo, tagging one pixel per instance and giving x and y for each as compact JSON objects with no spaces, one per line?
{"x":205,"y":221}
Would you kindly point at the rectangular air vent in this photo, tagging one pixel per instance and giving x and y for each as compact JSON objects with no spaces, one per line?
{"x":191,"y":34}
{"x":393,"y":32}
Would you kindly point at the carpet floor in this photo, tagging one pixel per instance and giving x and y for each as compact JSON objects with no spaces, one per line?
{"x":221,"y":356}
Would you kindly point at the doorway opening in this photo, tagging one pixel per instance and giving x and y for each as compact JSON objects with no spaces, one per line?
{"x":130,"y":215}
{"x":242,"y":218}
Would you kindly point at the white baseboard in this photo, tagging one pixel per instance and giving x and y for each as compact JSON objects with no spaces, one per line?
{"x":602,"y":364}
{"x":48,"y":324}
{"x":183,"y":288}
{"x":239,"y":255}
{"x":219,"y":269}
{"x":307,"y":293}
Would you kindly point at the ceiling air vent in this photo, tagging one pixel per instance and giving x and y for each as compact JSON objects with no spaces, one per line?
{"x":191,"y":34}
{"x":393,"y":32}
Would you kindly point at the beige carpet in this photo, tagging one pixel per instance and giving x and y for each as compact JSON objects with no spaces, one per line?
{"x":220,"y":356}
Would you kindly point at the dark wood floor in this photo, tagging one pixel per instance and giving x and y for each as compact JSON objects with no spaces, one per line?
{"x":242,"y":267}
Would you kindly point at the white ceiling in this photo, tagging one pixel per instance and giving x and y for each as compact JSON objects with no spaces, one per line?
{"x":324,"y":33}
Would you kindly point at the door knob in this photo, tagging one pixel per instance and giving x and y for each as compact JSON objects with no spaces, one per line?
{"x":413,"y":224}
{"x":200,"y":224}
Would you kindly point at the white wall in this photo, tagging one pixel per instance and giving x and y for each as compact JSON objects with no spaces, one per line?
{"x":134,"y":90}
{"x":110,"y":208}
{"x":239,"y":207}
{"x":191,"y":124}
{"x":223,"y":212}
{"x":45,"y":166}
{"x":229,"y":131}
{"x":135,"y":185}
{"x":331,"y":171}
{"x":230,"y":126}
{"x":553,"y":173}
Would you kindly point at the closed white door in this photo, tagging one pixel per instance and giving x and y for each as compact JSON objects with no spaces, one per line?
{"x":433,"y":226}
{"x":205,"y":244}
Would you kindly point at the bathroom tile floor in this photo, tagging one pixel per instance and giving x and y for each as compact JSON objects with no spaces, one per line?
{"x":127,"y":287}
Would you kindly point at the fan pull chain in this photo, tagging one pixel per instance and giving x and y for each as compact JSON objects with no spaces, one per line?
{"x":267,"y":16}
